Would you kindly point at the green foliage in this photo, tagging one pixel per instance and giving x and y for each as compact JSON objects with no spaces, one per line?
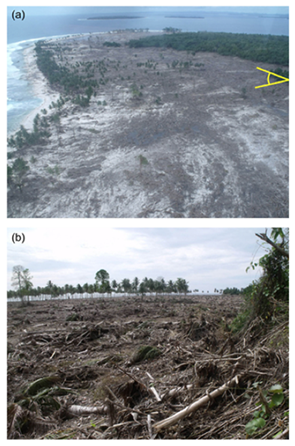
{"x":19,"y":168}
{"x":143,"y":161}
{"x":67,"y":78}
{"x":170,"y":29}
{"x":233,"y":291}
{"x":41,"y":383}
{"x":53,"y":170}
{"x":23,"y":138}
{"x":102,"y":278}
{"x":273,"y":287}
{"x":81,"y":100}
{"x":136,"y":93}
{"x":21,"y":280}
{"x":11,"y":142}
{"x":269,"y":400}
{"x":92,"y":130}
{"x":181,"y":285}
{"x":113,"y":44}
{"x":9,"y":174}
{"x":244,"y":91}
{"x":73,"y":317}
{"x":254,"y":425}
{"x":268,"y":297}
{"x":257,"y":47}
{"x":145,"y":352}
{"x":102,"y":285}
{"x":280,"y":72}
{"x":240,"y":320}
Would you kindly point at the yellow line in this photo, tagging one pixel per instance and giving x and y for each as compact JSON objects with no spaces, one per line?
{"x":271,"y":83}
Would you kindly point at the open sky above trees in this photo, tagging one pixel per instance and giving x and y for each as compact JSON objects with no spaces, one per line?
{"x":205,"y":258}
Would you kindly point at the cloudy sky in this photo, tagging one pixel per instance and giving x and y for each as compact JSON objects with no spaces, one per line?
{"x":135,"y":7}
{"x":207,"y":258}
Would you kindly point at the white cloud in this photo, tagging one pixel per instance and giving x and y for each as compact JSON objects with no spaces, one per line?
{"x":206,"y":258}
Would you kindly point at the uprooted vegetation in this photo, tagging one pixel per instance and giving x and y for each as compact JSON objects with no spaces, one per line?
{"x":153,"y":132}
{"x":127,"y":368}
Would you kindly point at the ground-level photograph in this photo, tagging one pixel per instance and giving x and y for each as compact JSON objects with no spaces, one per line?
{"x":169,"y":334}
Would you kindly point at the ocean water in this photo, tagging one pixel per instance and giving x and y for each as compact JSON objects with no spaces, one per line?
{"x":46,"y":22}
{"x":20,"y":99}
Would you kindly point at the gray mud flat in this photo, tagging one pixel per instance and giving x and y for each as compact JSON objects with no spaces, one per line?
{"x":199,"y":142}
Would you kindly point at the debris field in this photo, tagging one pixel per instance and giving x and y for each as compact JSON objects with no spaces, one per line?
{"x":151,"y":367}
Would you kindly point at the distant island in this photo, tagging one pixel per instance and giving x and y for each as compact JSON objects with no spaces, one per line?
{"x":273,"y":16}
{"x":182,"y":17}
{"x":114,"y":18}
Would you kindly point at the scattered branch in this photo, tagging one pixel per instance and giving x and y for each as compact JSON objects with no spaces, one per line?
{"x":274,"y":245}
{"x":192,"y":407}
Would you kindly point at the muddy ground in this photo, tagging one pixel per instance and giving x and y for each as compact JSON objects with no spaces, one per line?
{"x":95,"y":382}
{"x":197,"y":142}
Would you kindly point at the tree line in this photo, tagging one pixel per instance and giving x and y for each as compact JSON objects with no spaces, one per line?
{"x":22,"y":282}
{"x":257,"y":47}
{"x":69,"y":79}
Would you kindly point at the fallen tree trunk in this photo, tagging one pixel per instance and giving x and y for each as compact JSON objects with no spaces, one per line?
{"x":194,"y":406}
{"x":85,"y":410}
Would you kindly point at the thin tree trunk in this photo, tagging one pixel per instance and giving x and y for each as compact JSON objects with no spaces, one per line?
{"x":194,"y":406}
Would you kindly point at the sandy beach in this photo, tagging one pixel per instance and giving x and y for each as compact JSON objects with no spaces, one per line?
{"x":157,"y":141}
{"x":41,"y":87}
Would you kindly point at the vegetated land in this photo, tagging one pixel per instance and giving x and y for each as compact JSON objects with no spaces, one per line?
{"x":113,"y":368}
{"x":176,"y":130}
{"x":259,"y":47}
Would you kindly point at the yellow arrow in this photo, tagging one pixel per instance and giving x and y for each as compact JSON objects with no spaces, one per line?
{"x":271,"y":83}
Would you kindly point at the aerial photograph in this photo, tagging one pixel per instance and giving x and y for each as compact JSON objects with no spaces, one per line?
{"x":148,"y":333}
{"x":148,"y":112}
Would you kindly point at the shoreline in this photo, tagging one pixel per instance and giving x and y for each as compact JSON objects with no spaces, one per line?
{"x":40,"y":87}
{"x":38,"y":82}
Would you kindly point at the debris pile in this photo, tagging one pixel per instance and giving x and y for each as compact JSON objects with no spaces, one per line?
{"x":172,"y":370}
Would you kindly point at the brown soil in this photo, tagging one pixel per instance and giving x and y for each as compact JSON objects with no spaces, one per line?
{"x":198,"y":142}
{"x":97,"y":384}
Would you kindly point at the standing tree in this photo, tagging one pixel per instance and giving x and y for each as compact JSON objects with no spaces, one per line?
{"x":171,"y":287}
{"x":114,"y":285}
{"x":21,"y":280}
{"x":181,"y":285}
{"x":126,"y":285}
{"x":151,"y":285}
{"x":135,"y":284}
{"x":142,"y":288}
{"x":102,"y":281}
{"x":20,"y":168}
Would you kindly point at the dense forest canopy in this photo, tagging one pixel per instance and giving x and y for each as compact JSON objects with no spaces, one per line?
{"x":257,"y":47}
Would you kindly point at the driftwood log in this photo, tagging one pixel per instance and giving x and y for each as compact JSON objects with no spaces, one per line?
{"x":194,"y":406}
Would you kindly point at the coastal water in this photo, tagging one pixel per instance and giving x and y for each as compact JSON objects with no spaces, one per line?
{"x":20,"y":100}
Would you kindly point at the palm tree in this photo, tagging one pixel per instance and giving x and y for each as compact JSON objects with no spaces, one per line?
{"x":135,"y":284}
{"x":126,"y":285}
